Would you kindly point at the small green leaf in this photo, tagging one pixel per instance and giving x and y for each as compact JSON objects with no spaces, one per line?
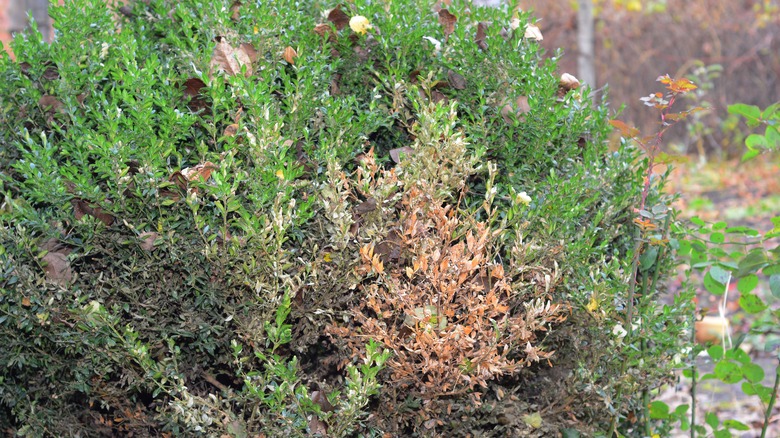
{"x":711,"y":419}
{"x":734,"y":424}
{"x":715,"y":352}
{"x":752,"y":262}
{"x":756,"y":142}
{"x":717,"y":226}
{"x":659,"y":410}
{"x":774,"y":285}
{"x":751,"y":112}
{"x":750,"y":154}
{"x":728,"y":372}
{"x":698,"y":221}
{"x":747,"y":284}
{"x":713,"y":286}
{"x":772,"y":136}
{"x":720,"y":275}
{"x":748,"y":388}
{"x":717,"y":238}
{"x":751,"y":303}
{"x":647,"y":259}
{"x":753,"y":373}
{"x":771,"y":269}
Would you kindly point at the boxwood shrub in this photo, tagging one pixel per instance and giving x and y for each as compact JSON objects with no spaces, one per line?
{"x":248,"y":218}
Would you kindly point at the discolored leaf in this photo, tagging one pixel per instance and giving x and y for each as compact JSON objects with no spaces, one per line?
{"x":235,"y":11}
{"x":147,"y":240}
{"x":456,"y":80}
{"x":324,"y":30}
{"x":319,"y":398}
{"x":569,"y":82}
{"x":289,"y":55}
{"x":192,"y":87}
{"x":250,"y":51}
{"x":481,"y":37}
{"x":338,"y":18}
{"x":230,"y":60}
{"x":51,"y":73}
{"x":532,"y":32}
{"x":202,"y":170}
{"x":625,"y":130}
{"x":50,"y":104}
{"x":395,"y":154}
{"x":230,"y":130}
{"x":82,"y":208}
{"x":521,"y":106}
{"x":366,"y":206}
{"x":57,"y":268}
{"x":447,"y":21}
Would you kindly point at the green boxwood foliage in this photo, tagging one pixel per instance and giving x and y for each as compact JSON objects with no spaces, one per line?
{"x":180,"y":224}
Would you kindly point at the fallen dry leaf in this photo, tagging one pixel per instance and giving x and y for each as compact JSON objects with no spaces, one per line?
{"x":456,"y":80}
{"x":50,"y":104}
{"x":82,"y":208}
{"x":230,"y":60}
{"x":519,"y":108}
{"x":481,"y":36}
{"x":147,"y":240}
{"x":532,"y":32}
{"x":338,"y":18}
{"x":447,"y":21}
{"x":235,"y":10}
{"x":230,"y":130}
{"x":289,"y":55}
{"x":57,"y":268}
{"x":202,"y":170}
{"x":395,"y":154}
{"x":569,"y":82}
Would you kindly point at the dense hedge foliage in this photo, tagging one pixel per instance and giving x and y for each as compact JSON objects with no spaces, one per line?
{"x":226,"y":218}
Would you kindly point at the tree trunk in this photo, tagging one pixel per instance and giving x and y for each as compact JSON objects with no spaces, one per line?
{"x":585,"y":43}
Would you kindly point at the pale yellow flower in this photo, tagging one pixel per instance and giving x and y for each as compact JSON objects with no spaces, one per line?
{"x":523,"y":198}
{"x":359,"y":24}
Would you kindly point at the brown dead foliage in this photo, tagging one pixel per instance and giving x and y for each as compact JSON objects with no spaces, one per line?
{"x":436,"y":297}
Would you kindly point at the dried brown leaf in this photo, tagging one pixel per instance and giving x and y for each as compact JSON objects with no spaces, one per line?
{"x":456,"y":80}
{"x":289,"y":55}
{"x":147,"y":240}
{"x":50,"y":104}
{"x":230,"y":60}
{"x":319,"y":398}
{"x":338,"y":18}
{"x":447,"y":21}
{"x":230,"y":130}
{"x":51,"y":73}
{"x":519,"y":108}
{"x":250,"y":52}
{"x":481,"y":37}
{"x":82,"y":208}
{"x":202,"y":170}
{"x":395,"y":154}
{"x":192,"y":87}
{"x":57,"y":268}
{"x":235,"y":11}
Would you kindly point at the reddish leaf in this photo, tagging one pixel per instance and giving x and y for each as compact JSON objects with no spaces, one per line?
{"x":624,"y":129}
{"x":82,"y":208}
{"x":235,"y":10}
{"x":50,"y":104}
{"x":338,"y":18}
{"x":57,"y":268}
{"x":457,"y":81}
{"x":230,"y":130}
{"x":517,"y":110}
{"x":192,"y":87}
{"x":201,"y":170}
{"x":447,"y":21}
{"x":395,"y":154}
{"x":481,"y":36}
{"x":230,"y":60}
{"x":147,"y":240}
{"x":289,"y":55}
